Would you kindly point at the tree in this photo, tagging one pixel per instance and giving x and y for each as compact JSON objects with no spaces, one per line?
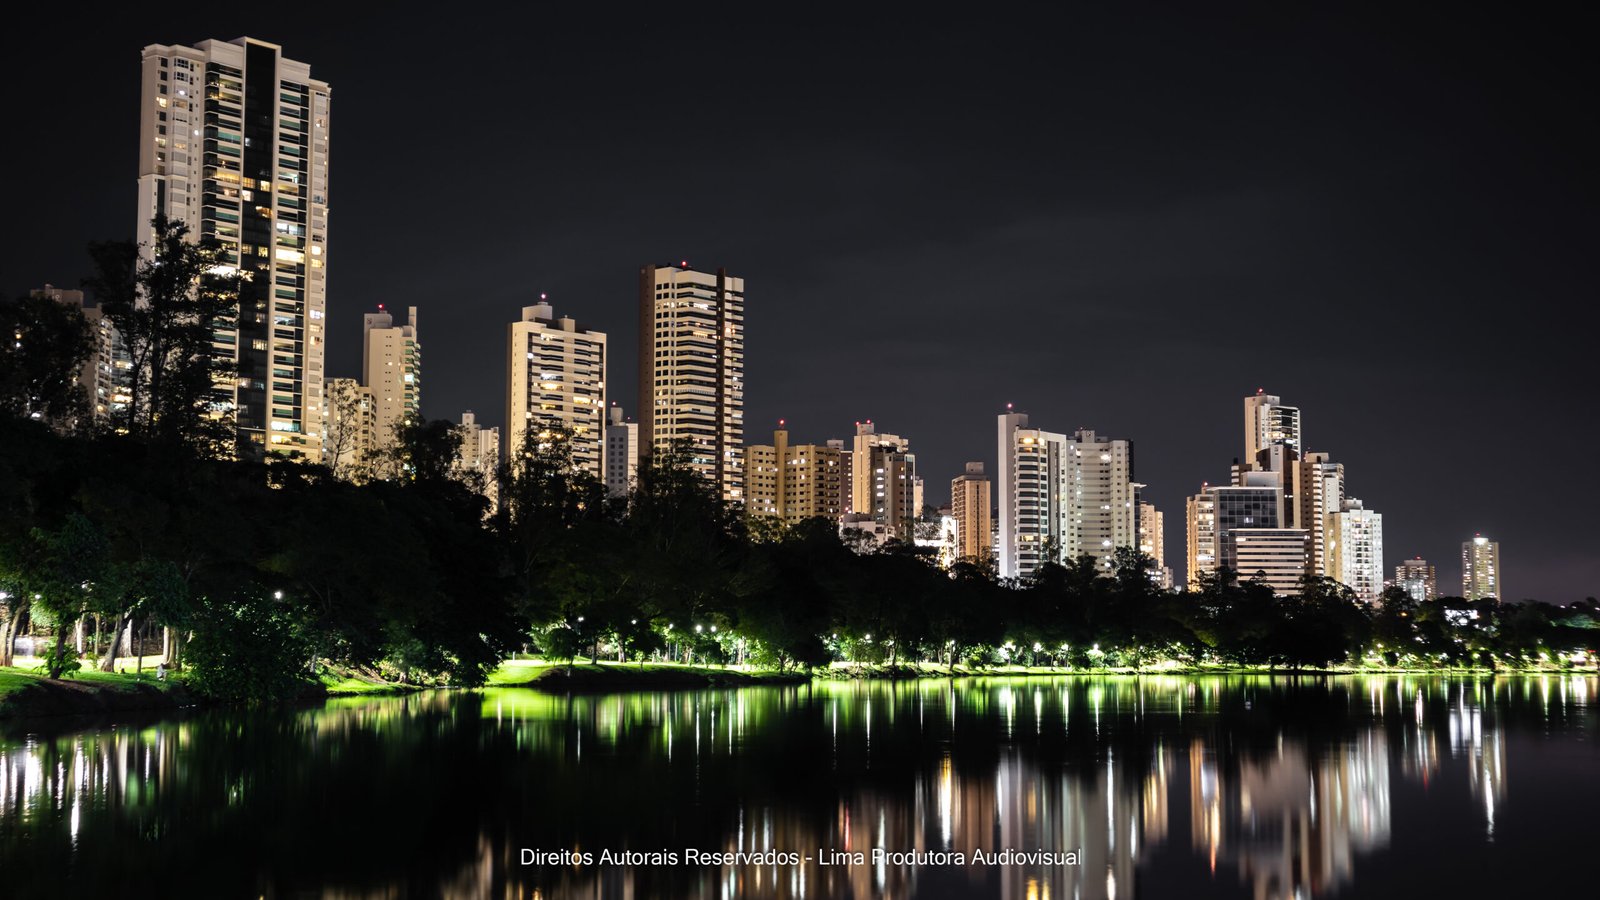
{"x":46,"y":342}
{"x":65,"y":568}
{"x":167,"y":304}
{"x":344,"y":451}
{"x":425,"y":451}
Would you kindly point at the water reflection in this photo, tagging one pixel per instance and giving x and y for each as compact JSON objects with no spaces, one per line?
{"x":1253,"y":787}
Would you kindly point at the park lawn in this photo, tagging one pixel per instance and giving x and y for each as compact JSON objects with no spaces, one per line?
{"x":353,"y":686}
{"x":515,"y":672}
{"x":554,"y":673}
{"x":15,"y":678}
{"x":26,"y":692}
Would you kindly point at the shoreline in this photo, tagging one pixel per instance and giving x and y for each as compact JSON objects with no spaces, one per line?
{"x":27,"y":695}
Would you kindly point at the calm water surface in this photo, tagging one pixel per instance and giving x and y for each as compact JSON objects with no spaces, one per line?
{"x":1250,"y":787}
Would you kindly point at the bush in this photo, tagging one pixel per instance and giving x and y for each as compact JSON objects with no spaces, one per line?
{"x":249,"y":648}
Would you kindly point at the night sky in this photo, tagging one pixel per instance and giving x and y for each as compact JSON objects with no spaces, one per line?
{"x":1124,"y":223}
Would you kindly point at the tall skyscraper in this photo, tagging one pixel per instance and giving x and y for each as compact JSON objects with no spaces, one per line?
{"x":1062,"y":497}
{"x":970,"y":505}
{"x":234,"y":144}
{"x":1102,"y":499}
{"x":556,"y":375}
{"x":847,"y":475}
{"x":884,"y":486}
{"x":479,"y":455}
{"x":1200,"y":535}
{"x":1031,"y":486}
{"x":1416,"y":577}
{"x":622,"y":453}
{"x":1356,"y":550}
{"x":691,"y":369}
{"x":391,"y":369}
{"x":1480,"y":569}
{"x":1321,"y":495}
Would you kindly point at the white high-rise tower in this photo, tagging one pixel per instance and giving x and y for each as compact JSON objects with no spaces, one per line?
{"x":556,"y":375}
{"x":691,"y":370}
{"x":233,"y":142}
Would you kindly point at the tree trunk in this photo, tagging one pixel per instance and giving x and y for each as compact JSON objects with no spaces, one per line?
{"x":108,"y":663}
{"x":8,"y":637}
{"x":56,"y":664}
{"x":171,"y":647}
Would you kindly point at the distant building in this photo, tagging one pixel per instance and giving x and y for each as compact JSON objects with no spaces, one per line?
{"x":480,"y":456}
{"x":1274,"y":556}
{"x":1062,"y":497}
{"x":936,"y":532}
{"x":883,"y":480}
{"x":970,"y":507}
{"x":106,"y":376}
{"x":1217,"y":511}
{"x":1269,"y":423}
{"x":1320,"y":495}
{"x":391,"y":369}
{"x":871,"y":534}
{"x":1031,"y":495}
{"x":1480,"y":569}
{"x":1416,"y":577}
{"x":1152,"y":543}
{"x":349,"y":429}
{"x":691,"y":370}
{"x":1101,"y":498}
{"x":1356,"y":554}
{"x":621,"y":453}
{"x":793,"y":482}
{"x":846,"y":476}
{"x":1200,"y":536}
{"x":556,"y":377}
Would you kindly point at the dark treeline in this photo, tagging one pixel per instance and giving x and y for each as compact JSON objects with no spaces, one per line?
{"x":255,"y":574}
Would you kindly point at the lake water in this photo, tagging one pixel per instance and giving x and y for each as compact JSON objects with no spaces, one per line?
{"x":1251,"y":787}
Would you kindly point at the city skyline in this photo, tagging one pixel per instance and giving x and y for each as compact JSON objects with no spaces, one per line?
{"x":983,"y":275}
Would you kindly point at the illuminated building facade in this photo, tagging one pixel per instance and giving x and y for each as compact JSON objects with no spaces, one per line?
{"x":1356,"y":554}
{"x":971,"y":508}
{"x":691,"y":370}
{"x":106,"y":375}
{"x":479,"y":456}
{"x":1480,"y":569}
{"x":884,"y":484}
{"x":1102,"y":499}
{"x":391,"y":369}
{"x":622,"y":453}
{"x":556,"y":376}
{"x":233,"y":143}
{"x":1416,"y":577}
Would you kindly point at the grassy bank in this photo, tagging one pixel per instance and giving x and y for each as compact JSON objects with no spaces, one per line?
{"x":26,"y":693}
{"x":588,"y":675}
{"x":604,"y":676}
